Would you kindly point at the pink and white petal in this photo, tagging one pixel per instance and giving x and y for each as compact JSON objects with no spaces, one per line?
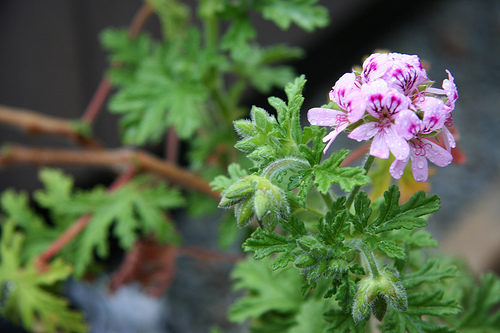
{"x":330,"y":137}
{"x":419,"y":168}
{"x":398,"y":167}
{"x":399,"y":146}
{"x":449,"y":139}
{"x":365,"y":131}
{"x":436,"y":154}
{"x":435,"y":114}
{"x":408,"y":124}
{"x":324,"y":117}
{"x":357,"y":106}
{"x":379,"y":146}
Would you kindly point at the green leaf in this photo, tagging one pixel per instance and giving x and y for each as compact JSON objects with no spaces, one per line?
{"x":136,"y":208}
{"x":295,"y":227}
{"x":309,"y":317}
{"x":389,"y":247}
{"x":482,"y":313}
{"x":363,"y":211}
{"x":409,"y":215}
{"x":267,"y":290}
{"x":27,"y":300}
{"x":346,"y":290}
{"x":343,"y":322}
{"x":167,"y":89}
{"x":421,"y":304}
{"x":429,"y":273}
{"x":125,"y":52}
{"x":304,"y":13}
{"x":329,"y":172}
{"x":333,"y":226}
{"x":264,"y":243}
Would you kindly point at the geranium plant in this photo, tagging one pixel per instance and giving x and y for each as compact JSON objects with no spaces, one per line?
{"x":334,"y":249}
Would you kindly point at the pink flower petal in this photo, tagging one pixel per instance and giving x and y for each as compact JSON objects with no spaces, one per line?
{"x":437,"y":154}
{"x":397,"y":168}
{"x":325,"y":117}
{"x":408,"y":124}
{"x":379,"y":146}
{"x":449,"y":139}
{"x":419,"y":168}
{"x":330,"y":137}
{"x":399,"y":147}
{"x":364,"y":132}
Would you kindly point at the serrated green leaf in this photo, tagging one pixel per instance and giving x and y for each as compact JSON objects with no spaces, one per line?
{"x":390,"y":248}
{"x":295,"y":227}
{"x":264,"y":243}
{"x":363,"y":212}
{"x":346,"y":290}
{"x":167,"y":89}
{"x":329,"y":172}
{"x":482,"y":314}
{"x":421,"y":304}
{"x":408,"y":216}
{"x":398,"y":322}
{"x":135,"y":208}
{"x":268,"y":290}
{"x":27,"y":300}
{"x":431,"y":304}
{"x":304,"y":13}
{"x":342,"y":322}
{"x":429,"y":273}
{"x":309,"y":317}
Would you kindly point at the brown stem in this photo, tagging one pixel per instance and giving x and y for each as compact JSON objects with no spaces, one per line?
{"x":104,"y":88}
{"x":78,"y":226}
{"x":36,"y":123}
{"x":15,"y":154}
{"x":172,"y":146}
{"x":97,"y":101}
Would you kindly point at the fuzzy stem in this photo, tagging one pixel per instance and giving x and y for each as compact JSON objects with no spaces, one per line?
{"x":367,"y":166}
{"x":367,"y":255}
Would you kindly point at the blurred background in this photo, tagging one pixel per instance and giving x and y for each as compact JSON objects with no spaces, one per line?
{"x":51,"y":62}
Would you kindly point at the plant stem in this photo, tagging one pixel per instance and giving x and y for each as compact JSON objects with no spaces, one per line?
{"x":36,"y":123}
{"x":367,"y":166}
{"x":104,"y":87}
{"x":367,"y":254}
{"x":327,"y":198}
{"x":115,"y":159}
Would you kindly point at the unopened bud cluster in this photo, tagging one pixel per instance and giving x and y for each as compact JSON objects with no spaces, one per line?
{"x":375,"y":293}
{"x":255,"y":198}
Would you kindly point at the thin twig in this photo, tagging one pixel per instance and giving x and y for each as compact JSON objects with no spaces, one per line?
{"x":78,"y":225}
{"x":36,"y":123}
{"x":172,"y":146}
{"x":104,"y":88}
{"x":16,"y":154}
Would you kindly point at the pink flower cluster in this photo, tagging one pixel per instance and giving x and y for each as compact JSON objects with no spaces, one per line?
{"x":392,"y":102}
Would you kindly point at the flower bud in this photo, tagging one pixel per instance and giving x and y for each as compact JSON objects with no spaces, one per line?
{"x":239,"y":189}
{"x":244,"y":212}
{"x":305,"y":261}
{"x":376,"y":292}
{"x":262,"y":203}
